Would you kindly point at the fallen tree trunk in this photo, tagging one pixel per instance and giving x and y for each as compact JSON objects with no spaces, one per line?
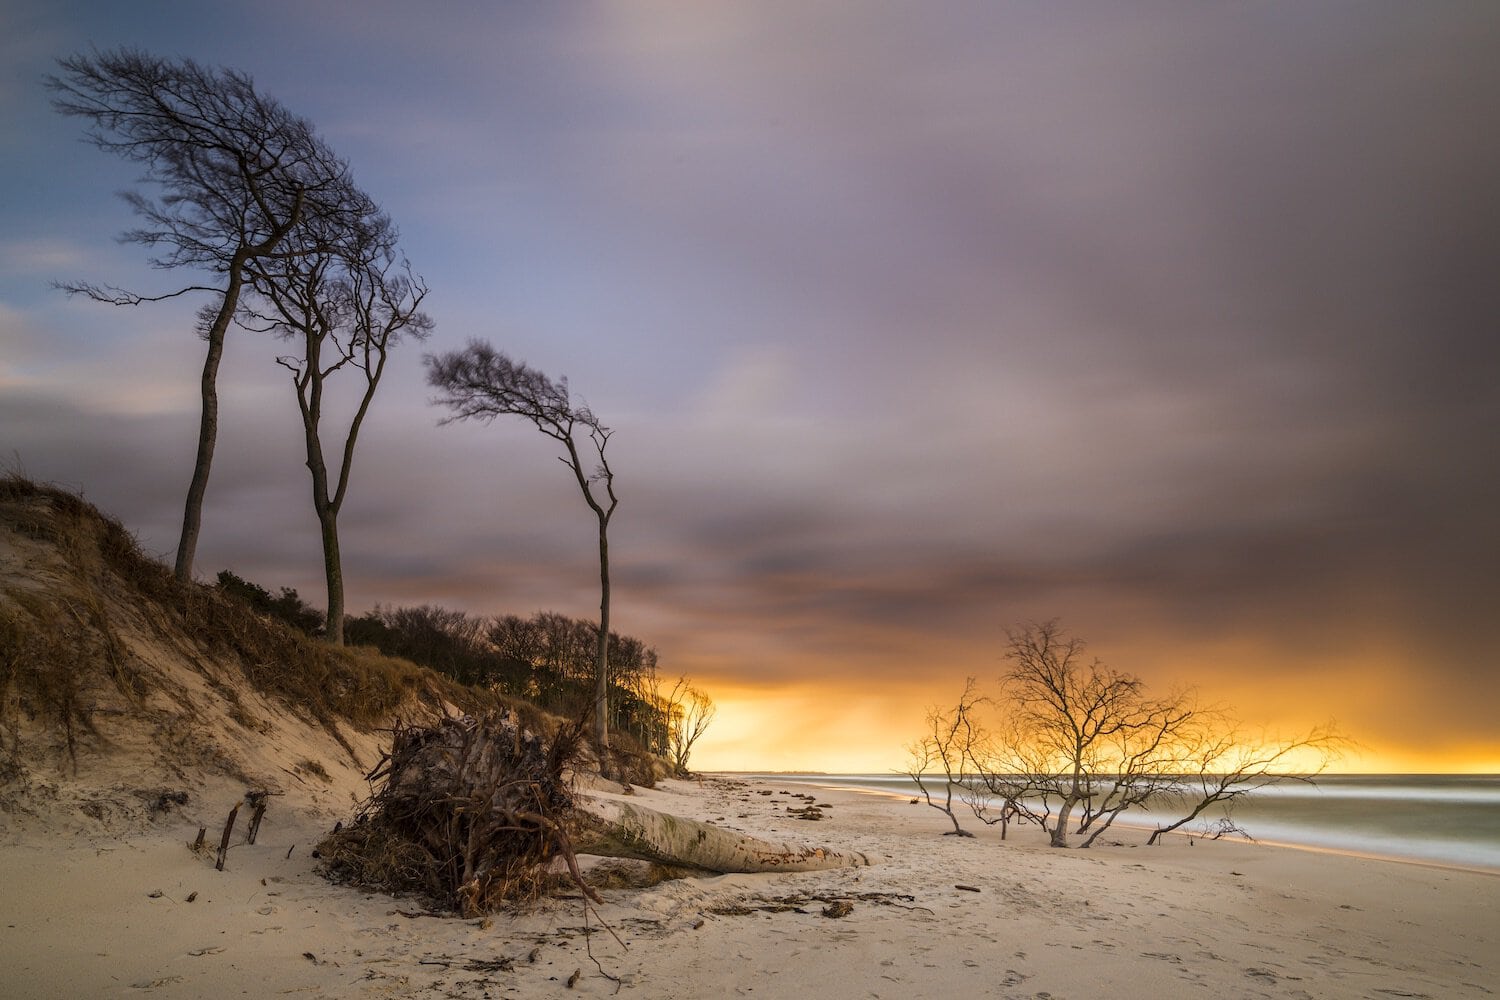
{"x":614,"y":829}
{"x":472,"y":811}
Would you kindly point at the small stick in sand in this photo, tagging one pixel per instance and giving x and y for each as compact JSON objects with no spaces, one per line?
{"x":258,"y":801}
{"x":224,"y":841}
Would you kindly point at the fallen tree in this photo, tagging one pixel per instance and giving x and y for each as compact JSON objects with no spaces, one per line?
{"x":613,"y":829}
{"x":471,"y":812}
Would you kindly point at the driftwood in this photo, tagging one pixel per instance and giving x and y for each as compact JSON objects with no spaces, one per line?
{"x":257,"y":802}
{"x":472,"y":811}
{"x":468,"y":813}
{"x":613,"y":829}
{"x":224,"y":840}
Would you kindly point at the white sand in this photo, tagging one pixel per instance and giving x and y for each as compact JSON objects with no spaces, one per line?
{"x":79,"y":917}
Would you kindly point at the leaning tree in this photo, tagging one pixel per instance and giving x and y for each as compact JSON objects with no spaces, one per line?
{"x":237,"y":175}
{"x":481,"y":383}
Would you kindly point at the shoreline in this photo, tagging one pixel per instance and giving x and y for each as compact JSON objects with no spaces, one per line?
{"x":934,"y":916}
{"x":1136,"y":825}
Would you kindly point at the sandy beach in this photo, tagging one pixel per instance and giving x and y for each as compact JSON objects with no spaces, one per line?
{"x":87,"y":912}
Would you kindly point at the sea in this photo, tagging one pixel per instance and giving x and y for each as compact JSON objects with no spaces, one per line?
{"x":1451,"y":820}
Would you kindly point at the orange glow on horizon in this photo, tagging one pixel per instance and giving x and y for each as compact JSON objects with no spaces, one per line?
{"x":813,"y":727}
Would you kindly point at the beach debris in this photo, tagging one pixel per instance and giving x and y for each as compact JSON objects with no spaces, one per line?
{"x":835,"y":906}
{"x":153,"y":984}
{"x":191,"y":897}
{"x":471,"y":811}
{"x":611,"y":828}
{"x":155,"y":894}
{"x":744,"y":909}
{"x":224,"y":840}
{"x":967,"y":888}
{"x":468,"y":812}
{"x":165,"y":800}
{"x":257,"y":801}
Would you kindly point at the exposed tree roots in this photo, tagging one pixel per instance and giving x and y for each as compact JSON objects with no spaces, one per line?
{"x":470,"y":813}
{"x":473,"y":810}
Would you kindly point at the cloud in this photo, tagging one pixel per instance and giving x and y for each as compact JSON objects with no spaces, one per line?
{"x":911,"y":325}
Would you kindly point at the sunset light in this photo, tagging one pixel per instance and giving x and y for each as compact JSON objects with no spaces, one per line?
{"x":702,"y":498}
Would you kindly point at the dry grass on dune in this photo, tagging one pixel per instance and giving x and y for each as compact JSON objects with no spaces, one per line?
{"x":105,"y":654}
{"x":70,"y":628}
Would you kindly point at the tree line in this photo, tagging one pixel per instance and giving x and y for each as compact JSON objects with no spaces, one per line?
{"x":547,"y":659}
{"x":249,"y":194}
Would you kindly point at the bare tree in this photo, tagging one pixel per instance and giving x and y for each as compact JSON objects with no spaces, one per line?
{"x":942,"y":754}
{"x":1085,"y":735}
{"x":238,"y":174}
{"x":1000,"y":785}
{"x":347,"y":306}
{"x":1077,"y":744}
{"x":480,"y":383}
{"x":689,"y":712}
{"x":1143,"y":763}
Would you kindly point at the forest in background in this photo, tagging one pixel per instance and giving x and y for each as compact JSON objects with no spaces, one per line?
{"x":546,"y":659}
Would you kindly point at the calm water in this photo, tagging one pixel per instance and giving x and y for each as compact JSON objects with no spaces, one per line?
{"x":1449,"y":819}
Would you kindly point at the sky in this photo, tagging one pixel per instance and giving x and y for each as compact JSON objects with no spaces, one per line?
{"x":1176,"y":322}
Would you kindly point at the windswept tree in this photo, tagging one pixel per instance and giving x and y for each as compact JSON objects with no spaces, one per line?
{"x":346,"y":302}
{"x":481,"y":383}
{"x":237,"y":174}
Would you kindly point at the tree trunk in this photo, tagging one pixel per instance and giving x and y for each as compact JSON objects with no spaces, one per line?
{"x":333,"y":570}
{"x":601,"y":661}
{"x":328,"y":518}
{"x":1060,"y":830}
{"x":208,"y":424}
{"x":613,"y":829}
